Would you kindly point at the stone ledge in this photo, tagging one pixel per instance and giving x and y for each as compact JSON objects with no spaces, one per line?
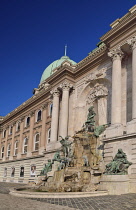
{"x":56,"y":195}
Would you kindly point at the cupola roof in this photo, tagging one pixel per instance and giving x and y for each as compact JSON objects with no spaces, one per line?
{"x":49,"y":70}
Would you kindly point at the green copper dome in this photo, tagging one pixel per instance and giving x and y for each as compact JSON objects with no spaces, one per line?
{"x":49,"y":70}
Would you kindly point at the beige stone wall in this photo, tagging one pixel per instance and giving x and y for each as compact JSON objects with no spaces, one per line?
{"x":38,"y":162}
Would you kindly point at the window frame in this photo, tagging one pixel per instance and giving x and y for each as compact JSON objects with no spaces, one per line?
{"x":50,"y":109}
{"x":23,"y":171}
{"x":10,"y":130}
{"x":25,"y":145}
{"x":12,"y":174}
{"x":16,"y":147}
{"x":26,"y":123}
{"x":8,"y":149}
{"x":37,"y":119}
{"x":49,"y":135}
{"x":38,"y":142}
{"x":2,"y":151}
{"x":4,"y":133}
{"x":18,"y":124}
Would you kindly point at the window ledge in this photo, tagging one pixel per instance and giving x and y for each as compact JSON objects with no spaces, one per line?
{"x":35,"y":151}
{"x":24,"y":154}
{"x":18,"y":131}
{"x":26,"y":127}
{"x":38,"y":121}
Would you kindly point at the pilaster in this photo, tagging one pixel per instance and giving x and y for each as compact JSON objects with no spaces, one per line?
{"x":65,"y":108}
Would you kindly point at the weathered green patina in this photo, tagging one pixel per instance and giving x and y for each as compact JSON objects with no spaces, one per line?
{"x":47,"y":168}
{"x":118,"y":165}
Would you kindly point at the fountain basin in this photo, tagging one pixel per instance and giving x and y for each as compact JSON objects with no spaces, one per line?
{"x":19,"y":192}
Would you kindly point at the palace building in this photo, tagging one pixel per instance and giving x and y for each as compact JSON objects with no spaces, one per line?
{"x":105,"y":79}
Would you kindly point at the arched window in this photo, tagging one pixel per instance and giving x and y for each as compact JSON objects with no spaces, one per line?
{"x":36,"y":141}
{"x":10,"y":130}
{"x":25,"y":145}
{"x":27,"y":122}
{"x":18,"y":126}
{"x":2,"y":152}
{"x":39,"y":115}
{"x":8,"y":150}
{"x":49,"y":135}
{"x":16,"y":148}
{"x":4,"y":133}
{"x":50,"y":109}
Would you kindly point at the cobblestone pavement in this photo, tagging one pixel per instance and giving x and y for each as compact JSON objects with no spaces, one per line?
{"x":9,"y":202}
{"x":108,"y":202}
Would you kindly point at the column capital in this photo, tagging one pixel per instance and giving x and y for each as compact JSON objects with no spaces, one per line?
{"x":132,"y":42}
{"x":32,"y":113}
{"x":44,"y":106}
{"x":66,"y":86}
{"x":116,"y":54}
{"x":55,"y":92}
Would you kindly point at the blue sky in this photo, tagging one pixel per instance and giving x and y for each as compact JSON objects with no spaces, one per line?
{"x":33,"y":34}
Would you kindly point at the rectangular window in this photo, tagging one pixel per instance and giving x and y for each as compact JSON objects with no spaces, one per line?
{"x":33,"y":171}
{"x":10,"y":130}
{"x":2,"y":152}
{"x":22,"y":171}
{"x":13,"y":171}
{"x":5,"y":172}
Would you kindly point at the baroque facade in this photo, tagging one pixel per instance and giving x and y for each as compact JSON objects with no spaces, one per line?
{"x":105,"y":79}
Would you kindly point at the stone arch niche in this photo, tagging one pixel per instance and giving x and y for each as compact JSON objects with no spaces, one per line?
{"x":95,"y":94}
{"x":97,"y":97}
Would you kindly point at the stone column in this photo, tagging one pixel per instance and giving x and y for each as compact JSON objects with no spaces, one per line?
{"x":43,"y":133}
{"x":116,"y":56}
{"x":55,"y":115}
{"x":65,"y":109}
{"x":132,"y":43}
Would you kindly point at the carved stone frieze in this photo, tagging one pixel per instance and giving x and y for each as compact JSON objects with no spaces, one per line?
{"x":96,"y":75}
{"x":132,"y":42}
{"x":22,"y":119}
{"x":44,"y":106}
{"x":42,"y":86}
{"x":32,"y":113}
{"x":98,"y":91}
{"x":116,"y":54}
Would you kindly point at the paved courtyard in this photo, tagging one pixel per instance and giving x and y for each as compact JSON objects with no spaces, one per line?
{"x":121,"y":202}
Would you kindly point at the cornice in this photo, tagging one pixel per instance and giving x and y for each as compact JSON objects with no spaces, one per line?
{"x":122,"y":23}
{"x":92,"y":56}
{"x":58,"y":76}
{"x":24,"y":105}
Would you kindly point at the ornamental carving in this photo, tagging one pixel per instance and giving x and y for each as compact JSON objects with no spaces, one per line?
{"x":55,"y":92}
{"x":132,"y":42}
{"x":96,"y":75}
{"x":97,"y":92}
{"x":32,"y":113}
{"x":116,"y":54}
{"x":65,"y":86}
{"x":44,"y":106}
